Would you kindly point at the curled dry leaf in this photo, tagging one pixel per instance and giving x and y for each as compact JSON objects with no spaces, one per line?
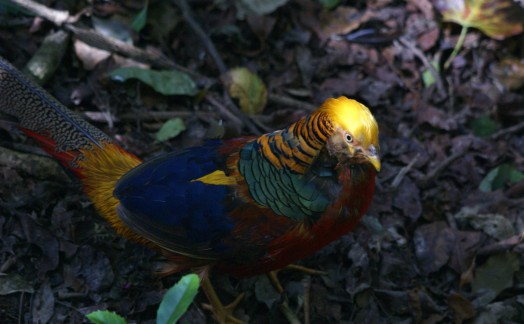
{"x":498,"y":19}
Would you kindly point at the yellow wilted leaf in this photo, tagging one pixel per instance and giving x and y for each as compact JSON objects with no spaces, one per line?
{"x":248,"y":88}
{"x":498,"y":19}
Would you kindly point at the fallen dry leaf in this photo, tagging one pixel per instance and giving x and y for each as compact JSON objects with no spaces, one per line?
{"x":498,"y":19}
{"x":248,"y":88}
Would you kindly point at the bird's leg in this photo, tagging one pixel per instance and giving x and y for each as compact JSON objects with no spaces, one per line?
{"x":223,"y":314}
{"x":276,"y":283}
{"x":284,"y":307}
{"x":307,"y":270}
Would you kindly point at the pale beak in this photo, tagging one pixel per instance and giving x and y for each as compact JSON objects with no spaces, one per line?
{"x":372,"y":157}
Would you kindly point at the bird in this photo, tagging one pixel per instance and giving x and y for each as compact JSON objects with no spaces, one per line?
{"x":244,"y":206}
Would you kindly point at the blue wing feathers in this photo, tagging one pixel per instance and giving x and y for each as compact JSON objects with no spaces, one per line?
{"x":163,"y":192}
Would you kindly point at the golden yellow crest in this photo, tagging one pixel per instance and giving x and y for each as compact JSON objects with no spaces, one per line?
{"x":353,"y":117}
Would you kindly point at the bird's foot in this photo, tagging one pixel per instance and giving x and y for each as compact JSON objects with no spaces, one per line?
{"x":223,"y":314}
{"x":284,"y":306}
{"x":276,"y":283}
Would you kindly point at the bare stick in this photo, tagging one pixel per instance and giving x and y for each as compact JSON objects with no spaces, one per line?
{"x":502,"y":246}
{"x":418,"y":53}
{"x":288,"y":101}
{"x":509,"y":130}
{"x":307,"y":294}
{"x":93,"y":38}
{"x":223,"y":110}
{"x":222,"y":68}
{"x":57,"y":17}
{"x":444,"y":164}
{"x":210,"y":47}
{"x":398,"y":179}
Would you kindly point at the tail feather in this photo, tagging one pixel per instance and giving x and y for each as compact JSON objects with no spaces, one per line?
{"x":79,"y":146}
{"x":42,"y":117}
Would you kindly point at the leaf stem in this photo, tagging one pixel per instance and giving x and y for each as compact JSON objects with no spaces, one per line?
{"x":457,"y":48}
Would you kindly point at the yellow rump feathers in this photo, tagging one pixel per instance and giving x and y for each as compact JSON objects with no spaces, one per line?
{"x":217,"y":178}
{"x":100,"y":170}
{"x":353,"y":117}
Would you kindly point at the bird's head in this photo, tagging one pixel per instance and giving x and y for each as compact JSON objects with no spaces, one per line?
{"x":354,"y":137}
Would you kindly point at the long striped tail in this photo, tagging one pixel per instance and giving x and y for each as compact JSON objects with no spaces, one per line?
{"x":78,"y":145}
{"x":60,"y":132}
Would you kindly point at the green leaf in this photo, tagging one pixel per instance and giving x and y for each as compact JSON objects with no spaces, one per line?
{"x":177,"y":299}
{"x":515,"y":175}
{"x":248,"y":88}
{"x":329,"y":4}
{"x":257,"y":7}
{"x":496,"y":178}
{"x":140,"y":19}
{"x":483,"y":126}
{"x":496,"y":274}
{"x":427,"y":76}
{"x":166,"y":82}
{"x":170,"y":129}
{"x":105,"y":317}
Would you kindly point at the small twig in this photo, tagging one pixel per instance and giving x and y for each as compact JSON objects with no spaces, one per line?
{"x":237,"y":112}
{"x":20,"y":307}
{"x":418,"y":53}
{"x":8,"y":263}
{"x":290,"y":102}
{"x":402,"y":173}
{"x":222,"y":68}
{"x":150,"y":115}
{"x":508,"y":130}
{"x":516,"y":202}
{"x":451,"y":93}
{"x":503,"y":245}
{"x":258,"y":120}
{"x":70,"y":295}
{"x":307,"y":294}
{"x":436,"y":171}
{"x":92,"y":38}
{"x":204,"y":38}
{"x":223,"y":110}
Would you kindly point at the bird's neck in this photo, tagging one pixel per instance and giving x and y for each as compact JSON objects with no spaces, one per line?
{"x":297,"y":146}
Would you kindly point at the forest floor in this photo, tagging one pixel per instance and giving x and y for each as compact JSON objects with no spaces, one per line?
{"x":443,"y":239}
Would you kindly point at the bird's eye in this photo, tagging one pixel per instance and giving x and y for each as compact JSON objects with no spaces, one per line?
{"x":349,"y":139}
